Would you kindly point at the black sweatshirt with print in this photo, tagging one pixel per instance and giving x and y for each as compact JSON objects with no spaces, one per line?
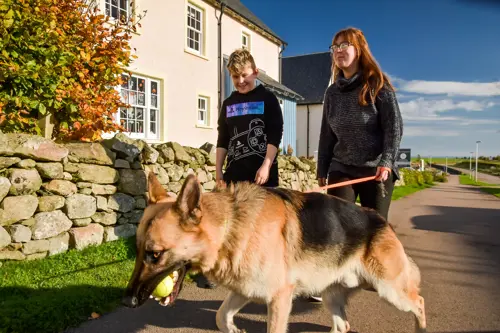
{"x":357,"y":139}
{"x":247,"y":124}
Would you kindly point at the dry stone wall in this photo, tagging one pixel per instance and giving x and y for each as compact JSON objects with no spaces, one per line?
{"x":60,"y":196}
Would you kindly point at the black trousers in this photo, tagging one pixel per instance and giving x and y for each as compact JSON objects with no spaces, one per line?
{"x":373,"y":194}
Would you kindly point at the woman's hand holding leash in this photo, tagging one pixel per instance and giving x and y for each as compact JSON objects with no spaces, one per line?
{"x":382,"y":173}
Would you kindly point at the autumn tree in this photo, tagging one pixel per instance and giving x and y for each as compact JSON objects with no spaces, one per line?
{"x":63,"y":58}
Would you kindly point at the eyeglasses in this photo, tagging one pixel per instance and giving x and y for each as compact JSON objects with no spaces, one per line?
{"x":342,"y":46}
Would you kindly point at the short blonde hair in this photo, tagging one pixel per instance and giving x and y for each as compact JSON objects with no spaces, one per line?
{"x":239,"y":59}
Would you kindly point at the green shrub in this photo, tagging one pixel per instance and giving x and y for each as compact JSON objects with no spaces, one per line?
{"x":428,"y":177}
{"x":413,"y":177}
{"x":442,"y":178}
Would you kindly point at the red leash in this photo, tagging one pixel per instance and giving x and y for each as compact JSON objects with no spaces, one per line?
{"x":347,"y":182}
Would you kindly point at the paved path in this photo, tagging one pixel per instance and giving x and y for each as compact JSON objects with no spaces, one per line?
{"x":452,"y":232}
{"x":481,"y":177}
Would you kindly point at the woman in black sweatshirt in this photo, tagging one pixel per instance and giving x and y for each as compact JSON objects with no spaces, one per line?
{"x":361,"y":127}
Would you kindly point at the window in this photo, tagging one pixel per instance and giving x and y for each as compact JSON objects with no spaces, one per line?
{"x":203,"y":111}
{"x":142,"y":118}
{"x":118,"y":9}
{"x":245,"y":40}
{"x":194,"y":29}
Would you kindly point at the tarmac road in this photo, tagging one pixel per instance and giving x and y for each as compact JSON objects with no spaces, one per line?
{"x":481,"y":177}
{"x":453,"y":233}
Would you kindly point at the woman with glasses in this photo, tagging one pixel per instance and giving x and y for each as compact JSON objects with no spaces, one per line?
{"x":361,"y":127}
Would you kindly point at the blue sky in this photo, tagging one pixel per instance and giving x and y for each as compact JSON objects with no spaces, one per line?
{"x":443,"y":55}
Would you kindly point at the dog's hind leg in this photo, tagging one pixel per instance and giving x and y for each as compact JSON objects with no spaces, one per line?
{"x":225,"y":315}
{"x":335,"y":300}
{"x":278,"y":310}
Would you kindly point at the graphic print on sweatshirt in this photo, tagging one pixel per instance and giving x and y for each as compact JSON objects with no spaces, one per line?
{"x":247,"y":143}
{"x":242,"y":109}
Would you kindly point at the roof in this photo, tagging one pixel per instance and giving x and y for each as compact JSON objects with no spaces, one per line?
{"x":277,"y":87}
{"x":308,"y":74}
{"x":241,"y":9}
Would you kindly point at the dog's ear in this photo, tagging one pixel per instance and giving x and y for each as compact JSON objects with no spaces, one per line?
{"x":188,"y":200}
{"x":156,"y":192}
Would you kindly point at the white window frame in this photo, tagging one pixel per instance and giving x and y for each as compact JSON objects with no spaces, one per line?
{"x":109,"y":5}
{"x":193,"y":29}
{"x":248,"y":39}
{"x":149,"y":132}
{"x":206,"y":111}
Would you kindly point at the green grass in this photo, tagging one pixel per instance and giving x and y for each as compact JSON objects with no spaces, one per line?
{"x":403,"y":191}
{"x":492,"y":190}
{"x":62,"y":291}
{"x":485,"y":187}
{"x":466,"y":180}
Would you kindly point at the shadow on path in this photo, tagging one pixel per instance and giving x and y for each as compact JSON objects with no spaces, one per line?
{"x":192,"y":314}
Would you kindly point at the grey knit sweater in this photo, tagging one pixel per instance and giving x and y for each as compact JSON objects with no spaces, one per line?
{"x":356,"y":139}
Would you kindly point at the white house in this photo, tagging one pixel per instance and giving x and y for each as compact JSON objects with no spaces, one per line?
{"x":179,"y":75}
{"x":309,"y":75}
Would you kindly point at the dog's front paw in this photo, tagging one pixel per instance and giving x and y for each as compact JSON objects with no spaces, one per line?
{"x":230,"y":329}
{"x":341,"y":327}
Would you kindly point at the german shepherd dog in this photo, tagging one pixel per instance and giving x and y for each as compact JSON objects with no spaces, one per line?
{"x":270,"y":245}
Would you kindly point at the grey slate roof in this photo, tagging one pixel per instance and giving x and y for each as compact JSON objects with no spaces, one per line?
{"x":240,"y":8}
{"x":277,"y":87}
{"x":308,"y":74}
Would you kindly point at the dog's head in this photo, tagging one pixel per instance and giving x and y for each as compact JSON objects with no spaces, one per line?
{"x":168,"y":239}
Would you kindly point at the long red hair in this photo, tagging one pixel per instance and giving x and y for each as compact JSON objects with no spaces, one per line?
{"x":373,"y":77}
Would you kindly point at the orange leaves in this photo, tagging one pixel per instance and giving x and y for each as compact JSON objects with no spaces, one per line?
{"x":79,"y":61}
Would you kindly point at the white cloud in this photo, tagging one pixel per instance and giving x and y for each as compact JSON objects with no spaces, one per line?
{"x":424,"y":131}
{"x":451,"y":88}
{"x":430,"y":109}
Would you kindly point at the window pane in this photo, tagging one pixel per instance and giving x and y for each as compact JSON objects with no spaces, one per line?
{"x":154,"y":87}
{"x":152,"y":115}
{"x":141,"y":99}
{"x":198,"y":26}
{"x":133,"y":83}
{"x":124,"y":95}
{"x":108,"y":9}
{"x":123,"y":15}
{"x":123,"y":113}
{"x":132,"y":98}
{"x":131,"y":127}
{"x":154,"y":101}
{"x":198,"y":15}
{"x":125,"y":81}
{"x":139,"y":126}
{"x":114,"y":12}
{"x":139,"y":113}
{"x":124,"y":4}
{"x":131,"y":113}
{"x":202,"y":116}
{"x":196,"y":46}
{"x":142,"y":85}
{"x":152,"y":127}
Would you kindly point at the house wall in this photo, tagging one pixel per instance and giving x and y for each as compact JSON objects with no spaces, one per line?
{"x":162,"y":54}
{"x":315,"y":115}
{"x":289,"y":125}
{"x":264,"y":52}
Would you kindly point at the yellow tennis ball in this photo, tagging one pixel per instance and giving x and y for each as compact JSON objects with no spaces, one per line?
{"x":164,"y":288}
